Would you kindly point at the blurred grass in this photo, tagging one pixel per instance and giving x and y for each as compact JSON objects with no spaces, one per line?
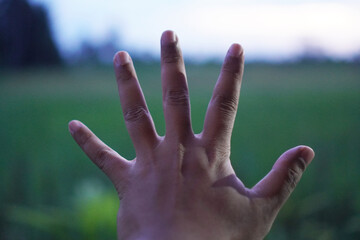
{"x":48,"y":186}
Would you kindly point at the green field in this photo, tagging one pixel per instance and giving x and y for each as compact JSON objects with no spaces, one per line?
{"x":50,"y":190}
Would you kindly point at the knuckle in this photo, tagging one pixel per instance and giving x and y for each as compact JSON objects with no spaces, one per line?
{"x":169,"y":58}
{"x":178,"y":97}
{"x":83,"y":138}
{"x":101,"y":157}
{"x":292,"y":179}
{"x":223,"y":151}
{"x":300,"y":164}
{"x":170,"y":53}
{"x":218,"y":152}
{"x":227,"y":105}
{"x":293,"y":175}
{"x":135,"y":113}
{"x":125,"y":75}
{"x":232,"y":66}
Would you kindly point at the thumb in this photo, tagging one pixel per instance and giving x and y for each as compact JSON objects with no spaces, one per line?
{"x":279,"y":183}
{"x":109,"y":161}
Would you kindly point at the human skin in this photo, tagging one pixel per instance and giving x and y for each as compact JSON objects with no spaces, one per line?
{"x":182,"y":185}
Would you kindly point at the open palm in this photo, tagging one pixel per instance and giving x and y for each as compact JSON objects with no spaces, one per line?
{"x":182,"y":185}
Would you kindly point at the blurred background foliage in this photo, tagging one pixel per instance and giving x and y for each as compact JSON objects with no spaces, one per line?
{"x":50,"y":190}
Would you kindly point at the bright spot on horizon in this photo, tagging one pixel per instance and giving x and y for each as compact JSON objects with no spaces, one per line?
{"x":207,"y":28}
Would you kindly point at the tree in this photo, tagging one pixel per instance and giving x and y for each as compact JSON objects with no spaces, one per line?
{"x":25,"y":36}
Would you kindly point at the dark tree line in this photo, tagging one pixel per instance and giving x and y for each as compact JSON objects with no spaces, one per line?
{"x":25,"y":35}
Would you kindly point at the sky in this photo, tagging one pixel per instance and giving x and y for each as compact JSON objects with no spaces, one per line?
{"x":273,"y":30}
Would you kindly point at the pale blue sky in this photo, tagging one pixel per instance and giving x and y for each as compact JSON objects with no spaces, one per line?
{"x":266,"y":29}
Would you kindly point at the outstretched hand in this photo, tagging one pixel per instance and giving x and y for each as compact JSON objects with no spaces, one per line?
{"x":182,"y":185}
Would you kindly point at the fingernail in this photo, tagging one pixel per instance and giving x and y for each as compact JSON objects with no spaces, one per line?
{"x":121,"y":58}
{"x":307,"y":154}
{"x":74,"y":125}
{"x":235,"y":50}
{"x":168,"y":37}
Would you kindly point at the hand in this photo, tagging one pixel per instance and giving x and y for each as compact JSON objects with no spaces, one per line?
{"x":182,"y":185}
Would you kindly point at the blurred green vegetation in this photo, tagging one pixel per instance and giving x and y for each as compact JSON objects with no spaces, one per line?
{"x":50,"y":190}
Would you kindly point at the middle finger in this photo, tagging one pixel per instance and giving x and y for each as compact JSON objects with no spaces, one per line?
{"x":176,"y":102}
